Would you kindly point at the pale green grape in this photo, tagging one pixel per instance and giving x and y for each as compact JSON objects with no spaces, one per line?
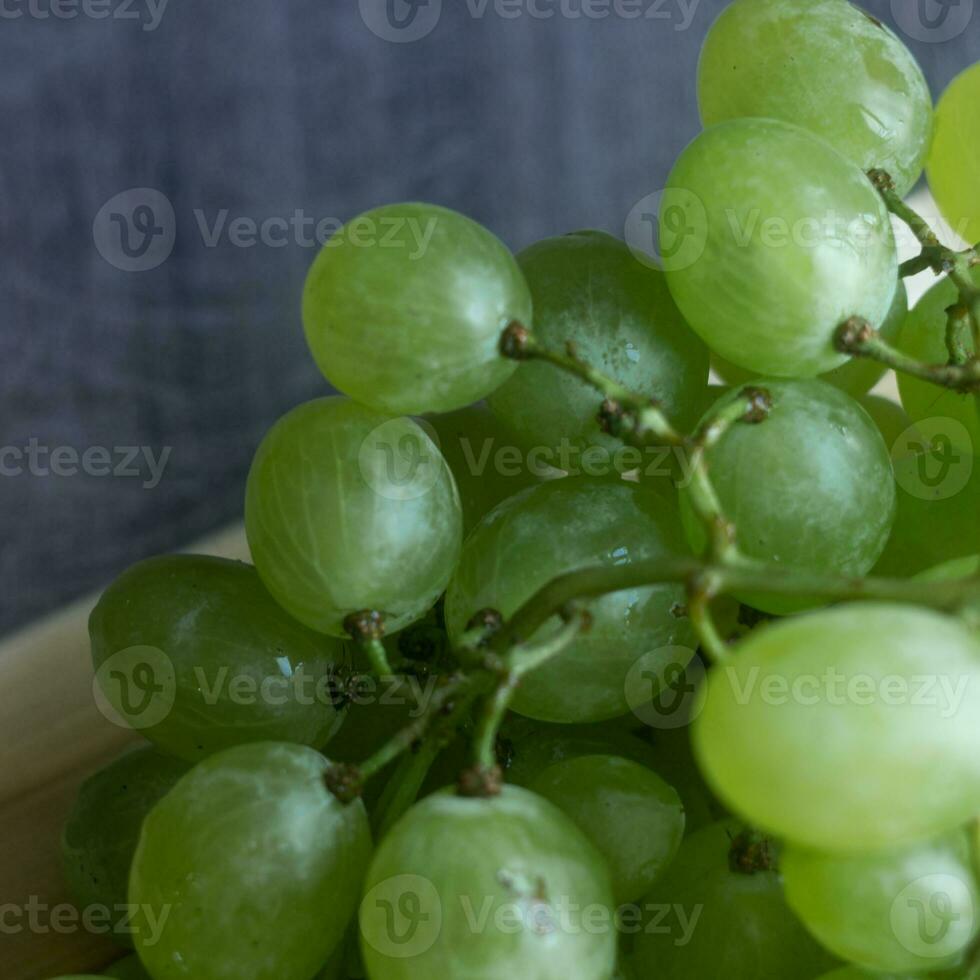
{"x":558,"y":527}
{"x":348,"y":510}
{"x":909,"y":910}
{"x":104,"y":824}
{"x":589,"y":289}
{"x":633,"y":817}
{"x":195,"y":653}
{"x":487,"y":462}
{"x":531,"y":747}
{"x":858,"y":375}
{"x":810,"y":487}
{"x":892,"y":420}
{"x":705,"y":920}
{"x":826,"y":728}
{"x":825,"y":65}
{"x":129,"y":968}
{"x":947,"y":414}
{"x":405,"y":306}
{"x":938,"y":518}
{"x":479,"y":888}
{"x":774,"y":241}
{"x":954,"y":170}
{"x":255,"y":865}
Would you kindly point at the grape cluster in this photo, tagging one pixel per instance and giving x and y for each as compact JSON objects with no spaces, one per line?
{"x":556,"y":660}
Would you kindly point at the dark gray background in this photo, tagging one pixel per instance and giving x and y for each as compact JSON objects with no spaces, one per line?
{"x":533,"y":126}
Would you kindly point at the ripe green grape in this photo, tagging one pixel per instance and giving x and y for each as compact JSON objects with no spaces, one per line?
{"x":858,"y":375}
{"x":907,"y":910}
{"x":892,"y":420}
{"x":949,"y":415}
{"x":704,"y":919}
{"x":347,"y":510}
{"x":589,"y":289}
{"x":937,"y":518}
{"x":488,"y":463}
{"x":530,"y":747}
{"x":954,"y":172}
{"x":479,"y":888}
{"x":826,"y":728}
{"x":558,"y":527}
{"x":195,"y":653}
{"x":405,"y":306}
{"x":104,"y":824}
{"x":827,"y":66}
{"x":633,"y":817}
{"x":810,"y":487}
{"x":129,"y":968}
{"x":774,"y":241}
{"x":255,"y":865}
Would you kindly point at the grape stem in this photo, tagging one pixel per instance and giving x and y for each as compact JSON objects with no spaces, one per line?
{"x":366,"y":629}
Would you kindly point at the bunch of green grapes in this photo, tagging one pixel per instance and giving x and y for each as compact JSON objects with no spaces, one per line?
{"x":369,"y":758}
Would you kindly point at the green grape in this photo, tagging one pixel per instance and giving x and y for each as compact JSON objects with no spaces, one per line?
{"x":826,"y":728}
{"x":908,"y":910}
{"x":103,"y":827}
{"x":948,"y":415}
{"x":825,"y":65}
{"x":530,"y":747}
{"x":810,"y":487}
{"x":228,"y":665}
{"x":705,"y":919}
{"x":937,"y":518}
{"x":479,"y":888}
{"x":856,"y":973}
{"x":589,"y":289}
{"x":892,"y":420}
{"x":129,"y":968}
{"x":487,"y":462}
{"x":557,"y":527}
{"x":774,"y":241}
{"x":954,"y":172}
{"x":858,"y":375}
{"x":348,"y":510}
{"x":405,"y":306}
{"x":249,"y":869}
{"x":633,"y":817}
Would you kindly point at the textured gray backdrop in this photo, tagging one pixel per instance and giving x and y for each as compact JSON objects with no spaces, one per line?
{"x":255,"y":109}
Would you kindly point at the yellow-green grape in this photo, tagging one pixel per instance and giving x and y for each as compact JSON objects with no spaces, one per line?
{"x":558,"y":527}
{"x":774,"y":240}
{"x":892,"y":420}
{"x":944,"y":416}
{"x":195,"y":653}
{"x":906,"y":911}
{"x":590,"y":290}
{"x":474,"y":889}
{"x":810,"y":487}
{"x":954,"y":169}
{"x":405,"y":306}
{"x":348,"y":510}
{"x":858,"y":375}
{"x":714,"y":916}
{"x":104,"y":824}
{"x":825,"y":729}
{"x":249,"y":869}
{"x":825,"y":65}
{"x":488,"y":463}
{"x":633,"y":817}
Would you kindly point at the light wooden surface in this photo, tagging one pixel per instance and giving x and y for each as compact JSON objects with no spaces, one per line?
{"x":52,"y":736}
